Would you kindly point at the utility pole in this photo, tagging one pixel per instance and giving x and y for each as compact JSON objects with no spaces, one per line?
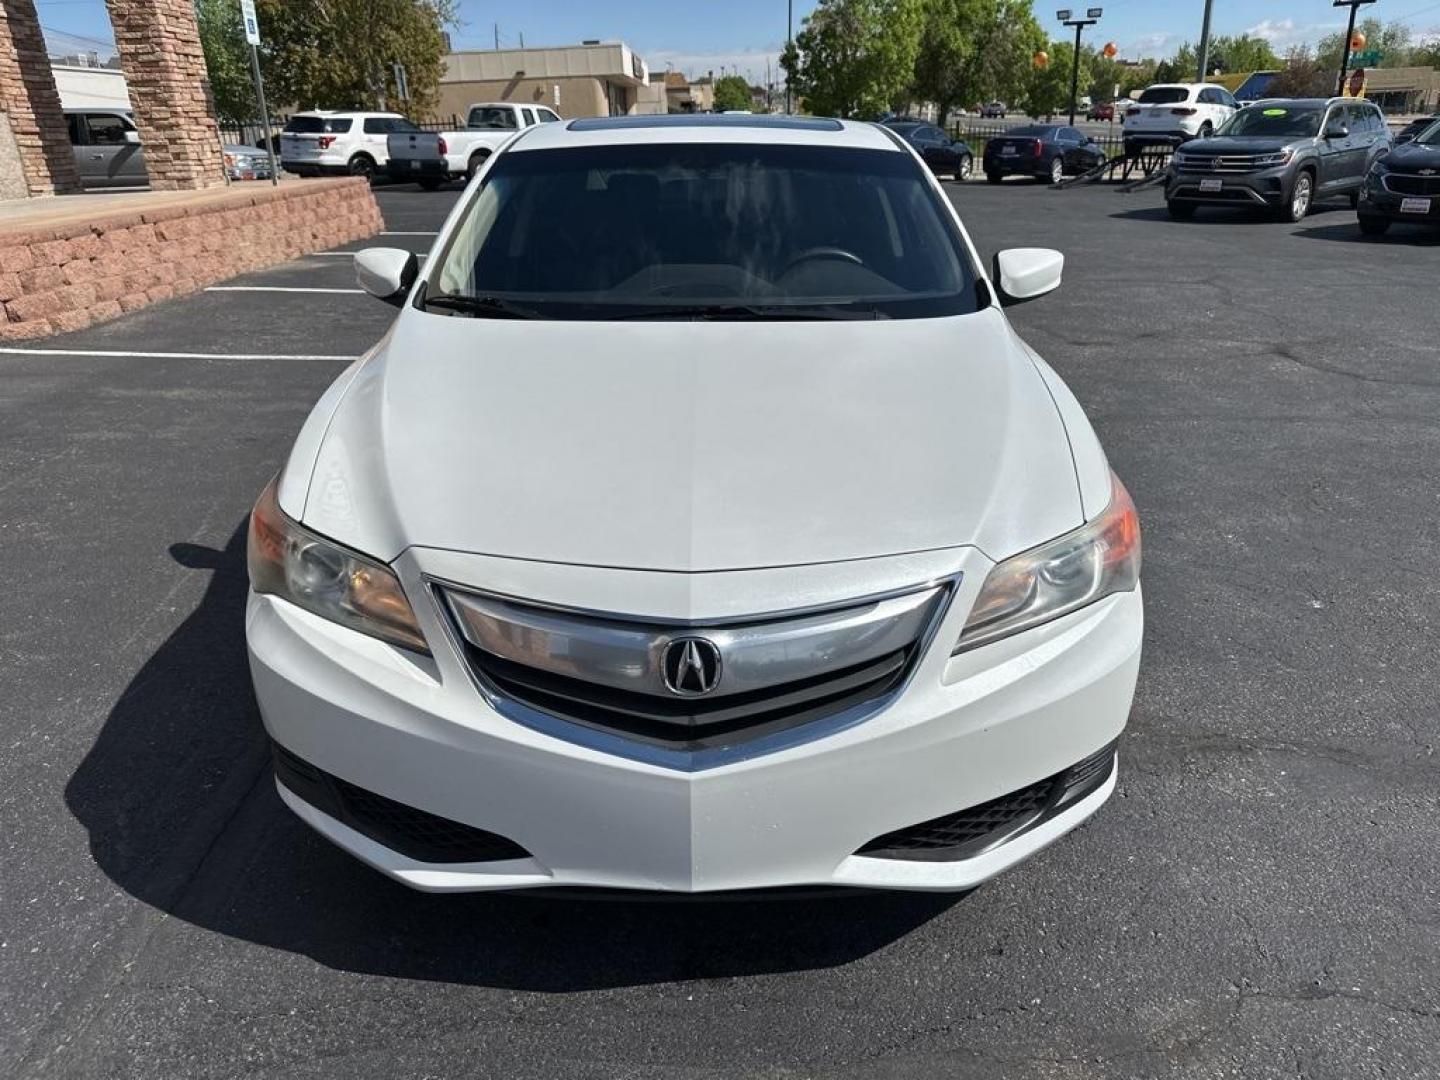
{"x":1354,"y":6}
{"x":789,"y":44}
{"x":1092,"y":16}
{"x":1204,"y":56}
{"x":497,"y":36}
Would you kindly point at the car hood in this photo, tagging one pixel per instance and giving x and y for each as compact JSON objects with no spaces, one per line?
{"x":1238,"y":144}
{"x":1410,"y":157}
{"x":691,"y":446}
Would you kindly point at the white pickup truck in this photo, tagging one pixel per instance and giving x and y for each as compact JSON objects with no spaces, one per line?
{"x":430,"y":159}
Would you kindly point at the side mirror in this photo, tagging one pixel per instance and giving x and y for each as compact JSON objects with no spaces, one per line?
{"x":386,"y":273}
{"x":1025,"y":273}
{"x":132,"y":137}
{"x":1337,"y":131}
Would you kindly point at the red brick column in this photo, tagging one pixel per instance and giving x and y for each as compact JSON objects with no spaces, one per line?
{"x":160,"y":53}
{"x":28,"y":95}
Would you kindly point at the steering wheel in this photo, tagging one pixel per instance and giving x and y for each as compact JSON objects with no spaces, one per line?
{"x":822,"y":253}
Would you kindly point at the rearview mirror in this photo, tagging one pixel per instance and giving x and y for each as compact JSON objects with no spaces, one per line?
{"x":1337,"y":131}
{"x":1025,"y":273}
{"x":386,"y":273}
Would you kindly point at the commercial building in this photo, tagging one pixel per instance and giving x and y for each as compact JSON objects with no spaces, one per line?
{"x":591,"y":79}
{"x":1404,"y":90}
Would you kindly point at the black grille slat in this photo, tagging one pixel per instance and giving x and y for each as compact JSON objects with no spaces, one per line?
{"x":414,"y":833}
{"x":1410,"y":184}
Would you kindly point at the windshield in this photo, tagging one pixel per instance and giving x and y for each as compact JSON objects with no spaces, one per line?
{"x":1430,"y":136}
{"x":1274,"y":120}
{"x":1164,"y":95}
{"x":493,"y":117}
{"x":669,"y":230}
{"x":314,"y":125}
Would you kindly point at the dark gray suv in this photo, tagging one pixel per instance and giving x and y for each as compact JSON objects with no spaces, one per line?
{"x":1282,"y":155}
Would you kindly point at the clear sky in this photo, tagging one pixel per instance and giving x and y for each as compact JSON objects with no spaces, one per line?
{"x":702,"y":35}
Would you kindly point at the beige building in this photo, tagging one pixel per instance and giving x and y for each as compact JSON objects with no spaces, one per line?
{"x":593,"y":79}
{"x":1404,"y":90}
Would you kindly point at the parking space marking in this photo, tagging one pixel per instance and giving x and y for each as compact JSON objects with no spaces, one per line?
{"x":350,"y":254}
{"x":275,"y":288}
{"x":388,"y":232}
{"x":123,"y":353}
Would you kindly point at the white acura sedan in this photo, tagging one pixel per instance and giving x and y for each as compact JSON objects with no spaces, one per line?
{"x":700,"y":524}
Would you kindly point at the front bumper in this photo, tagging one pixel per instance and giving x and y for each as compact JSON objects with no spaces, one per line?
{"x":965,"y":731}
{"x":1378,"y":201}
{"x":1264,"y":187}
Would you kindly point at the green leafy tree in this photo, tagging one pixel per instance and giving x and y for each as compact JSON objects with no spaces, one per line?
{"x":1047,"y":92}
{"x":1393,"y":40}
{"x":975,"y":50}
{"x":855,"y":57}
{"x":1242,"y":52}
{"x":331,"y":54}
{"x":1302,"y":76}
{"x":731,"y":92}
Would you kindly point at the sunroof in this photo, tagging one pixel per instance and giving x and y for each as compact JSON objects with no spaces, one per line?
{"x":714,"y":120}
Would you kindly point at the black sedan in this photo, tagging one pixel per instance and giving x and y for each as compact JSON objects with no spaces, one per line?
{"x":1045,"y":151}
{"x":945,"y":156}
{"x":1403,"y":185}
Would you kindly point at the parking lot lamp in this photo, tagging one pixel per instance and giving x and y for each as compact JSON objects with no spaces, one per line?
{"x":1092,"y":16}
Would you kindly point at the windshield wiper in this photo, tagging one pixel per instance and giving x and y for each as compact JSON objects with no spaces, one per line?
{"x":481,"y":307}
{"x":748,"y":312}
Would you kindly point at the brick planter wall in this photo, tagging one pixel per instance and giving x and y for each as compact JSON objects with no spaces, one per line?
{"x":67,"y":277}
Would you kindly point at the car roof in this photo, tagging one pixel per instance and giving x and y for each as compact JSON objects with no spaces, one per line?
{"x":341,"y":112}
{"x":706,"y":127}
{"x":1311,"y":102}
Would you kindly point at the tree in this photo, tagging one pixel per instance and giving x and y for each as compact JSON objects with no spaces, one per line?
{"x":1302,"y":76}
{"x":1392,"y":40}
{"x":975,"y":50}
{"x":332,"y":54}
{"x":855,"y":57}
{"x":1242,"y":52}
{"x":732,"y":92}
{"x":1047,"y":92}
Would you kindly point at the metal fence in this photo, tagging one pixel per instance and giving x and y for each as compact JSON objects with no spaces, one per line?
{"x":977,"y":134}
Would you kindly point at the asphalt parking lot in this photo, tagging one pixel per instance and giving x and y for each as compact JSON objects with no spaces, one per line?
{"x":1260,"y":899}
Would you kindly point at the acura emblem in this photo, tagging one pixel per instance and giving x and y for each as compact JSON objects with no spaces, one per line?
{"x":691,"y":666}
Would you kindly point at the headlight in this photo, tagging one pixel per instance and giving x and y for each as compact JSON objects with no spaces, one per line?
{"x":288,"y":561}
{"x":1097,"y":559}
{"x":1280,"y":157}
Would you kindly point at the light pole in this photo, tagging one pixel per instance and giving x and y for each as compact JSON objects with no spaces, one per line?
{"x":1353,"y":5}
{"x":789,"y":40}
{"x":1203,"y":57}
{"x":1092,"y":16}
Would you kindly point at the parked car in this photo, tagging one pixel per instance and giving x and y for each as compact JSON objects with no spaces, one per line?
{"x":430,"y":158}
{"x":944,"y":155}
{"x":578,"y":578}
{"x":1102,"y":110}
{"x":324,"y":142}
{"x":1414,"y":128}
{"x":1046,"y":152}
{"x":107,"y":148}
{"x":1169,"y":114}
{"x":1403,"y":185}
{"x":993,"y":110}
{"x":1282,"y":155}
{"x":246,"y":162}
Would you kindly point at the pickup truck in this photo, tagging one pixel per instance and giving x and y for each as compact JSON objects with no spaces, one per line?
{"x":430,"y":159}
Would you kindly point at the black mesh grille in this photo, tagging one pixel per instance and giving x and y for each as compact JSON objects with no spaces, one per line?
{"x":1409,"y":184}
{"x":968,"y":832}
{"x":693,"y":723}
{"x":413,"y":833}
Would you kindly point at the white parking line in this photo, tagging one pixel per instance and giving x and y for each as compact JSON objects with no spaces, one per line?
{"x":274,"y":288}
{"x":349,"y":254}
{"x":16,"y":351}
{"x":390,"y":233}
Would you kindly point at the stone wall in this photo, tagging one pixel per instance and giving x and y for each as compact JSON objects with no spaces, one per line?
{"x":164,"y":64}
{"x":12,"y":169}
{"x":67,"y":277}
{"x":30,"y":100}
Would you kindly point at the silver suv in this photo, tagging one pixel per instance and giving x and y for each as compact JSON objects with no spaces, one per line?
{"x":1281,"y":155}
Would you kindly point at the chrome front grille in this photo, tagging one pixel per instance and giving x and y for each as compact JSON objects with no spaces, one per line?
{"x":1411,"y":184}
{"x":1228,"y":163}
{"x":691,"y":695}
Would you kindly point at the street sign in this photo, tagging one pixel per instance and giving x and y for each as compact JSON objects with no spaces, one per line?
{"x":402,"y":84}
{"x":1368,"y":58}
{"x":252,"y":24}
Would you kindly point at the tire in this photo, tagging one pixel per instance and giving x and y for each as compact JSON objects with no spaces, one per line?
{"x":1370,"y":225}
{"x":361,"y":165}
{"x":1180,"y":211}
{"x":1301,"y":197}
{"x":1057,"y":171}
{"x":994,"y":177}
{"x":966,"y":167}
{"x":430,"y":184}
{"x":477,"y":162}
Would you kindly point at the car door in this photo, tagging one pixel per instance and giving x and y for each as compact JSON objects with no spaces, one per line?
{"x":1363,"y":136}
{"x":945,"y":158}
{"x":112,"y":158}
{"x":1070,"y":140}
{"x":375,"y":136}
{"x":1334,"y":152}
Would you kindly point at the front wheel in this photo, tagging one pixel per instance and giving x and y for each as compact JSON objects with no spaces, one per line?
{"x":965,"y":168}
{"x":1180,"y":211}
{"x":1302,"y":193}
{"x":361,"y":165}
{"x":1371,"y":225}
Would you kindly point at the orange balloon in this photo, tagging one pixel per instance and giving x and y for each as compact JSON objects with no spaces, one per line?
{"x":1357,"y":41}
{"x":1109,"y":50}
{"x":1042,"y":58}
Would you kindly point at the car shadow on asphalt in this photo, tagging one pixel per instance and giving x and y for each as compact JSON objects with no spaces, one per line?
{"x":1226,"y":215}
{"x":179,"y":803}
{"x":1349,"y":233}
